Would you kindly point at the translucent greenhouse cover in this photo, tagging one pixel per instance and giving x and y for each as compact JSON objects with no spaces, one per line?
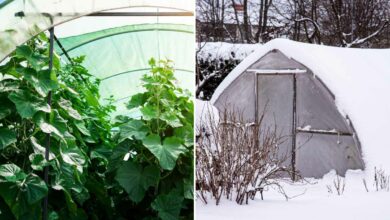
{"x":117,"y":49}
{"x":23,"y":19}
{"x":119,"y":56}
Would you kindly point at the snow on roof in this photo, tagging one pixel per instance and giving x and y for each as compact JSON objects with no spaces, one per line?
{"x":221,"y":50}
{"x":360,"y":81}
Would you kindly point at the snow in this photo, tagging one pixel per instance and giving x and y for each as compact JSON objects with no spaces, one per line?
{"x":204,"y":111}
{"x":221,"y":50}
{"x":360,"y":80}
{"x":312,"y":201}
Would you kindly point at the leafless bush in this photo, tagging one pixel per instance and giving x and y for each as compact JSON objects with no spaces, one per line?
{"x":237,"y":159}
{"x":338,"y":185}
{"x":381,"y":180}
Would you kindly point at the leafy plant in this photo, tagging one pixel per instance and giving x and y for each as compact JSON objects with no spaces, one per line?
{"x":79,"y":127}
{"x":154,"y":160}
{"x":143,"y":170}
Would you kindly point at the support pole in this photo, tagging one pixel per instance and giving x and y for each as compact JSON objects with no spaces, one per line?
{"x":47,"y":147}
{"x":294,"y":128}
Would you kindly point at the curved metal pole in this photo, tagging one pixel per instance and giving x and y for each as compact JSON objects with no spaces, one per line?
{"x":47,"y":147}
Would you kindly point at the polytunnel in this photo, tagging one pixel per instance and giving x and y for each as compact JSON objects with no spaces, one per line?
{"x":117,"y":38}
{"x":117,"y":43}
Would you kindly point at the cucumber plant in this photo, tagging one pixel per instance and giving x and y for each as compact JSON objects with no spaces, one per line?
{"x":156,"y":160}
{"x":144,"y":170}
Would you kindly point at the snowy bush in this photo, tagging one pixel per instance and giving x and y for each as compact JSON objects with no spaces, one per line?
{"x":237,"y":160}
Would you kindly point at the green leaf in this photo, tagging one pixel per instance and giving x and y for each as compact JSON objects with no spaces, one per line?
{"x":45,"y":126}
{"x":80,"y":125}
{"x":136,"y":180}
{"x":136,"y":101}
{"x":21,"y":191}
{"x":7,"y":137}
{"x":38,"y":149}
{"x":38,"y":162}
{"x":168,"y":206}
{"x":27,"y":104}
{"x":43,"y":81}
{"x":167,"y":153}
{"x":67,"y":106}
{"x":73,"y":156}
{"x":90,"y":98}
{"x":133,"y":128}
{"x":149,"y":112}
{"x":11,"y":172}
{"x":27,"y":53}
{"x":7,"y":85}
{"x":171,"y":119}
{"x":188,"y":188}
{"x":186,"y":133}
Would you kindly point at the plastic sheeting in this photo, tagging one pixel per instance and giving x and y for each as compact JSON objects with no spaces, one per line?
{"x":119,"y":56}
{"x":275,"y":101}
{"x":316,"y":108}
{"x":318,"y":154}
{"x":23,"y":19}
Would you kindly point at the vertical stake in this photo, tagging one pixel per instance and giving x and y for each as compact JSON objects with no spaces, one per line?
{"x":47,"y":147}
{"x":294,"y":127}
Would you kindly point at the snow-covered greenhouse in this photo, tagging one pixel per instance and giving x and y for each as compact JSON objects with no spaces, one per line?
{"x":324,"y":100}
{"x":88,"y":91}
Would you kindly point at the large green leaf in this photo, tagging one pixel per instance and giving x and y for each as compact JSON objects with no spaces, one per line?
{"x":136,"y":100}
{"x":45,"y":126}
{"x":27,"y":53}
{"x":27,"y":104}
{"x":38,"y":149}
{"x":149,"y":112}
{"x":73,"y":156}
{"x":19,"y":190}
{"x":136,"y":180}
{"x":168,"y":206}
{"x":166,"y":153}
{"x":133,"y":128}
{"x":43,"y":81}
{"x":7,"y":137}
{"x":38,"y":161}
{"x":7,"y":85}
{"x":67,"y":106}
{"x":171,"y":119}
{"x":80,"y":125}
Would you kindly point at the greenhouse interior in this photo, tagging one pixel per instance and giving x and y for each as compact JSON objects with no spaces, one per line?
{"x":96,"y":114}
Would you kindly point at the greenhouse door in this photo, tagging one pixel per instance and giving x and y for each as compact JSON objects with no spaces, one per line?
{"x":315,"y":137}
{"x":274,"y":107}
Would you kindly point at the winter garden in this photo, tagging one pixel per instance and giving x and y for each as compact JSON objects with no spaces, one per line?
{"x":96,"y":110}
{"x":292,"y":128}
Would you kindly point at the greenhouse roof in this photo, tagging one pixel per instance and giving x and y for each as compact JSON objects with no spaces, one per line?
{"x":117,"y":37}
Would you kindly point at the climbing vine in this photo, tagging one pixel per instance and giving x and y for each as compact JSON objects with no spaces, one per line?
{"x":134,"y":168}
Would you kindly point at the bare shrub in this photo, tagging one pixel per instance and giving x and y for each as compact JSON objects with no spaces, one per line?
{"x":237,"y":159}
{"x":381,"y":180}
{"x":338,"y":185}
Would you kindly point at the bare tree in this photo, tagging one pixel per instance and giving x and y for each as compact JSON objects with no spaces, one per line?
{"x":356,"y":22}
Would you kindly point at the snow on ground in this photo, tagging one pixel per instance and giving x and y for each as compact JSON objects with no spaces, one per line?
{"x":217,"y":50}
{"x":316,"y":203}
{"x":360,"y":80}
